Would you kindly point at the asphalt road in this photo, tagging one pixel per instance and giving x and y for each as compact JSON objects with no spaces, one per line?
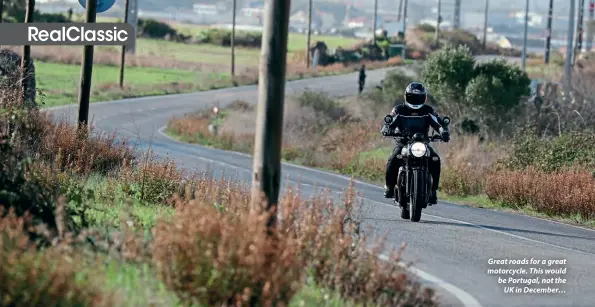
{"x":452,"y":244}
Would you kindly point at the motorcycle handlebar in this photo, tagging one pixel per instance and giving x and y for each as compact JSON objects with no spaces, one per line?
{"x":433,"y":138}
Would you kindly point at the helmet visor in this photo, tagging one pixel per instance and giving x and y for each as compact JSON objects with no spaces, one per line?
{"x":415,"y":99}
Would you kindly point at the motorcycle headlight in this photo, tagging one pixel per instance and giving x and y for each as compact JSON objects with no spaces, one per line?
{"x":418,"y":149}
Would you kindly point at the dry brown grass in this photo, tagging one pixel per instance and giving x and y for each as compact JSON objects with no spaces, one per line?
{"x":563,"y":193}
{"x":49,"y":277}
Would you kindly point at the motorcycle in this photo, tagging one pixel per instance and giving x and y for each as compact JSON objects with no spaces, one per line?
{"x":414,"y":181}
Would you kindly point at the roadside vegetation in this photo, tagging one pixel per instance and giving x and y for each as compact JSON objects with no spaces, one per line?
{"x":510,"y":150}
{"x":87,"y":221}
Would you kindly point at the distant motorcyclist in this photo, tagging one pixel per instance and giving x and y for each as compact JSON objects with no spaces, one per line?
{"x":362,"y":78}
{"x":414,"y":105}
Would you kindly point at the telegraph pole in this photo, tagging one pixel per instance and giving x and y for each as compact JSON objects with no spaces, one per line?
{"x":133,"y":20}
{"x":375,"y":21}
{"x":524,"y":56}
{"x":86,"y":69}
{"x":233,"y":40}
{"x":457,"y":15}
{"x":26,"y":59}
{"x":308,"y":41}
{"x":485,"y":24}
{"x":404,"y":53}
{"x":590,"y":25}
{"x":269,"y":122}
{"x":438,"y":20}
{"x":548,"y":38}
{"x":579,"y":29}
{"x":123,"y":55}
{"x":568,"y":63}
{"x":398,"y":14}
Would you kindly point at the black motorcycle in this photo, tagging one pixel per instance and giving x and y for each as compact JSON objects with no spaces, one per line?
{"x":414,"y":182}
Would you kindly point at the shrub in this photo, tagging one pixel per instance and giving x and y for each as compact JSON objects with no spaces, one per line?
{"x":50,"y":277}
{"x":213,"y":258}
{"x":551,"y":154}
{"x":428,"y":28}
{"x":447,"y":72}
{"x":563,"y":193}
{"x":393,"y":87}
{"x":152,"y":28}
{"x":462,"y":180}
{"x":154,"y":181}
{"x":223,"y":38}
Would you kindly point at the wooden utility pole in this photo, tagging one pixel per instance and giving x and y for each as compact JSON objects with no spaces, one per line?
{"x":308,"y":41}
{"x":400,"y":10}
{"x":568,"y":60}
{"x":548,"y":38}
{"x":26,"y":59}
{"x":375,"y":21}
{"x":438,"y":19}
{"x":269,"y":122}
{"x":590,"y":25}
{"x":233,"y":40}
{"x":123,"y":56}
{"x":524,"y":54}
{"x":485,"y":25}
{"x":579,"y":29}
{"x":86,"y":69}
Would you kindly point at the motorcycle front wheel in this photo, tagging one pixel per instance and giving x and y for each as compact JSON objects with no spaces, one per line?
{"x":416,"y":201}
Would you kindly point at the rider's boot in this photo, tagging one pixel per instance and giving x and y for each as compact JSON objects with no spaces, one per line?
{"x":433,"y":198}
{"x":389,"y":193}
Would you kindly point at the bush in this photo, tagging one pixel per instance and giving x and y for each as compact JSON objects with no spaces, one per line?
{"x":223,"y":38}
{"x":462,"y":180}
{"x":151,"y":28}
{"x":564,"y":193}
{"x":50,"y":277}
{"x":493,"y":91}
{"x":459,"y":37}
{"x":428,"y":28}
{"x":394,"y":86}
{"x":447,"y":72}
{"x":552,"y":154}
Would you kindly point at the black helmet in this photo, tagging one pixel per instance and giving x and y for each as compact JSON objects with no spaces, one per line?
{"x":415,"y":95}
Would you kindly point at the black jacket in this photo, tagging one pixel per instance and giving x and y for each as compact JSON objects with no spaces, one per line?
{"x":433,"y":120}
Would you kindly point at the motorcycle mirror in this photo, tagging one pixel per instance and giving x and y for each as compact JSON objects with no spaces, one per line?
{"x":446,"y":120}
{"x":388,"y":119}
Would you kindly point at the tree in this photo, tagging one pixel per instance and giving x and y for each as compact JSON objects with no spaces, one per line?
{"x":447,"y":72}
{"x":484,"y":95}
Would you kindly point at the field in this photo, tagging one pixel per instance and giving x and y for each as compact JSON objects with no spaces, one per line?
{"x":159,"y":67}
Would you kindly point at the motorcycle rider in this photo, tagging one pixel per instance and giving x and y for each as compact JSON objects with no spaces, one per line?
{"x":414,"y":105}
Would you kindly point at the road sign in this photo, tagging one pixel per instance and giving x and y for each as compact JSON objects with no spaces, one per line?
{"x":102,"y":5}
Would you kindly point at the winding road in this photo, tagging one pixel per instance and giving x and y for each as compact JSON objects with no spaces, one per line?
{"x":450,"y":247}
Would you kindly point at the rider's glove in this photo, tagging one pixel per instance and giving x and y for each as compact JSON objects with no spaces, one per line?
{"x":385,"y":130}
{"x":445,"y":135}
